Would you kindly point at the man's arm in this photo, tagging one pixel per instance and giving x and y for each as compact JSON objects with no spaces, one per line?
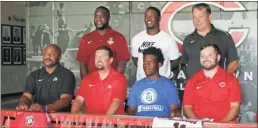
{"x":24,"y":102}
{"x":77,"y":104}
{"x":63,"y":102}
{"x":232,"y":66}
{"x":131,"y":110}
{"x":233,"y":112}
{"x":135,"y":60}
{"x":121,"y":66}
{"x":83,"y":69}
{"x":188,"y":112}
{"x":173,"y":111}
{"x":174,"y":63}
{"x":114,"y":106}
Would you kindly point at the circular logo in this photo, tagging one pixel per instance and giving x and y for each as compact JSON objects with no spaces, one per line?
{"x":29,"y":120}
{"x":149,"y":96}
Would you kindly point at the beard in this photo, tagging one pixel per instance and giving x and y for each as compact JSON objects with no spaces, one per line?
{"x":54,"y":63}
{"x":104,"y":26}
{"x":209,"y":67}
{"x":100,"y":67}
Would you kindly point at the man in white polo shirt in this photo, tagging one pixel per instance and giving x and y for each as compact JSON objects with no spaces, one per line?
{"x":154,"y":37}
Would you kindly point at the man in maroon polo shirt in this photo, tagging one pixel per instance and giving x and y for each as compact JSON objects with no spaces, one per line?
{"x":103,"y":35}
{"x":212,"y":92}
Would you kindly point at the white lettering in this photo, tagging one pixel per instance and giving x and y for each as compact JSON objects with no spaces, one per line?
{"x":181,"y":75}
{"x":248,"y":75}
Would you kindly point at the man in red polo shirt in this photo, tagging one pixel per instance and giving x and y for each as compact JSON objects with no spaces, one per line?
{"x":103,"y":35}
{"x":212,"y":92}
{"x":103,"y":91}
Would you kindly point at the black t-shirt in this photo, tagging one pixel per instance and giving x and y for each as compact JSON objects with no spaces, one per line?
{"x":47,"y":88}
{"x":194,"y":41}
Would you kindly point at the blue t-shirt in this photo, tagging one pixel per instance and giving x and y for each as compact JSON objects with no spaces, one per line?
{"x":153,"y":97}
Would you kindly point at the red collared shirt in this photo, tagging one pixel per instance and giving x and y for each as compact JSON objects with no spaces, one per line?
{"x":211,"y":98}
{"x":91,"y":41}
{"x":99,"y":94}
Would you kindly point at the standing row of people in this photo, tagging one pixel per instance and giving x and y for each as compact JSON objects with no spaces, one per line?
{"x":211,"y":92}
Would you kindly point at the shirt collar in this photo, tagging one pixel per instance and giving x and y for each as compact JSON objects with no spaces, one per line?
{"x":44,"y":71}
{"x":96,"y":74}
{"x":109,"y":30}
{"x":217,"y":74}
{"x":213,"y":29}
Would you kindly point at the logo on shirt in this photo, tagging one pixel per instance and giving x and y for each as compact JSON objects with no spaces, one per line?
{"x":109,"y":86}
{"x":145,"y":45}
{"x":149,"y":96}
{"x":110,"y":41}
{"x":29,"y":120}
{"x":40,"y":80}
{"x":55,"y":79}
{"x":198,"y":87}
{"x":192,"y":41}
{"x":222,"y":84}
{"x":89,"y":42}
{"x":90,"y":85}
{"x":145,"y":108}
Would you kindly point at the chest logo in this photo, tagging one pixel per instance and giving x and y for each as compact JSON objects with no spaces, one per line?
{"x":109,"y":86}
{"x":198,"y":87}
{"x":149,"y":96}
{"x":29,"y":120}
{"x":110,"y":41}
{"x":222,"y":84}
{"x":55,"y":79}
{"x":91,"y":85}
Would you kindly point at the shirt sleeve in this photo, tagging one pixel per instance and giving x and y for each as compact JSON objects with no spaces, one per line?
{"x":120,"y":89}
{"x":82,"y":53}
{"x":173,"y":51}
{"x":188,"y":94}
{"x":69,"y":84}
{"x":231,"y":51}
{"x":132,"y":98}
{"x":234,"y":91}
{"x":134,"y":48}
{"x":30,"y":85}
{"x":172,"y":96}
{"x":83,"y":87}
{"x":122,"y":49}
{"x":184,"y":58}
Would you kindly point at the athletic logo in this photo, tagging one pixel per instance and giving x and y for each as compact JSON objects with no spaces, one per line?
{"x":198,"y":87}
{"x":40,"y":80}
{"x":109,"y":86}
{"x":89,"y":42}
{"x":145,"y":45}
{"x":110,"y":41}
{"x":55,"y":79}
{"x":222,"y":84}
{"x":192,"y":41}
{"x":29,"y":120}
{"x":171,"y":8}
{"x":90,"y":85}
{"x":149,"y":96}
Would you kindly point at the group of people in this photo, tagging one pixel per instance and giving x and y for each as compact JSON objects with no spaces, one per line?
{"x":212,"y":91}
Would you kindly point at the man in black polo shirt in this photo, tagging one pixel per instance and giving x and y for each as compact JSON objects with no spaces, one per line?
{"x":51,"y":88}
{"x":205,"y":32}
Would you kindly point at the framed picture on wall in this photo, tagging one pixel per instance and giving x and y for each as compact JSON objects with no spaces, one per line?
{"x":23,"y":35}
{"x":24,"y":55}
{"x":6,"y":34}
{"x":16,"y":35}
{"x":6,"y":55}
{"x":17,"y":55}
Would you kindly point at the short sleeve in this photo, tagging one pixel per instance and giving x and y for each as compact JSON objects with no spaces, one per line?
{"x":82,"y":53}
{"x":134,"y":48}
{"x":69,"y":84}
{"x":234,"y":91}
{"x":132,"y":98}
{"x":120,"y":89}
{"x":82,"y":88}
{"x":122,"y":49}
{"x":173,"y":97}
{"x":231,"y":51}
{"x":184,"y":58}
{"x":173,"y":52}
{"x":188,"y":94}
{"x":30,"y":84}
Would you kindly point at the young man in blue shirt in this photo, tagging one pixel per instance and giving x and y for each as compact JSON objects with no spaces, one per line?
{"x":154,"y":95}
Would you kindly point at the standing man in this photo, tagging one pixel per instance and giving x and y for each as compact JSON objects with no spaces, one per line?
{"x":104,"y":35}
{"x":51,"y":87}
{"x":155,"y":95}
{"x":206,"y":33}
{"x":104,"y":90}
{"x":212,"y":92}
{"x":154,"y":37}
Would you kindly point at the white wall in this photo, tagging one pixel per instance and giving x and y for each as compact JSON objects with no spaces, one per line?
{"x":13,"y":77}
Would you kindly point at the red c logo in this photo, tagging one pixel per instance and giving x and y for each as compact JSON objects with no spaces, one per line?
{"x":171,"y":8}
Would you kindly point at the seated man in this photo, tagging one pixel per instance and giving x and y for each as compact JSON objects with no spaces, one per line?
{"x":155,"y":95}
{"x":51,"y":88}
{"x":212,"y":92}
{"x":103,"y":91}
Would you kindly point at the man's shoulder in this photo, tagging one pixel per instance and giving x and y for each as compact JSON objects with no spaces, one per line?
{"x":190,"y":37}
{"x":88,"y":35}
{"x":118,"y":76}
{"x":221,"y":32}
{"x":140,"y":34}
{"x":66,"y":71}
{"x":116,"y":33}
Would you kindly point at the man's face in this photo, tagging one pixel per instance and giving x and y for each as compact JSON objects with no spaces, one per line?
{"x":201,"y":19}
{"x":209,"y":58}
{"x":150,"y":65}
{"x":101,"y":19}
{"x":102,"y":60}
{"x":151,"y":19}
{"x":51,"y":57}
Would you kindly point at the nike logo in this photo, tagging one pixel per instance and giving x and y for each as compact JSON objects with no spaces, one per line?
{"x":198,"y":87}
{"x":192,"y":41}
{"x":89,"y":42}
{"x":40,"y":80}
{"x":90,"y":85}
{"x":109,"y":86}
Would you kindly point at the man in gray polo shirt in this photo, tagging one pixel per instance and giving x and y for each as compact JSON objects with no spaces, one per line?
{"x":205,"y":32}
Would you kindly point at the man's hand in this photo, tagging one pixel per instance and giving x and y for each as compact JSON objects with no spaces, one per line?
{"x":36,"y":107}
{"x":22,"y":107}
{"x":175,"y":113}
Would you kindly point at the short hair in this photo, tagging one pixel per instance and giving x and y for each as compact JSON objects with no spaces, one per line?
{"x":156,"y":52}
{"x":156,"y":10}
{"x":104,"y":8}
{"x":201,"y":6}
{"x":211,"y":45}
{"x":110,"y":52}
{"x":58,"y":49}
